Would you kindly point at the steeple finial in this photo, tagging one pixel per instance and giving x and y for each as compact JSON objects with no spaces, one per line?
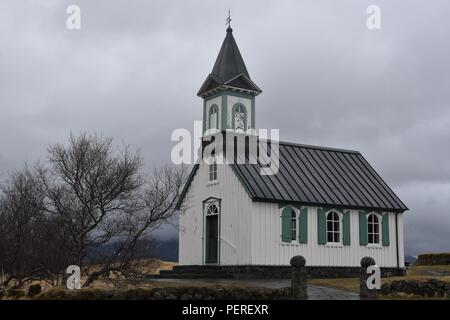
{"x":228,"y":21}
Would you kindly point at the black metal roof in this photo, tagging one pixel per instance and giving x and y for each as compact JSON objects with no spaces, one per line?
{"x":229,"y":62}
{"x":229,"y":68}
{"x":321,"y":176}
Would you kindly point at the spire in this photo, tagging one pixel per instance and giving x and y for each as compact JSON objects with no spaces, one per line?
{"x":229,"y":62}
{"x":229,"y":69}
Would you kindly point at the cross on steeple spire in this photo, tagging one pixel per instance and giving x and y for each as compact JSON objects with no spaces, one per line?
{"x":228,"y":20}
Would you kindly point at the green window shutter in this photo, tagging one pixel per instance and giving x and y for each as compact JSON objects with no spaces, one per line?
{"x":321,"y":226}
{"x":362,"y":228}
{"x":385,"y":229}
{"x":346,"y":228}
{"x":303,"y":225}
{"x":286,"y":224}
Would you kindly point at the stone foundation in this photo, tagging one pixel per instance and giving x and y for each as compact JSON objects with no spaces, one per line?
{"x":275,"y":272}
{"x":284,"y":272}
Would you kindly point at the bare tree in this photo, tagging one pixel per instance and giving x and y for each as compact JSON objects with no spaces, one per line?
{"x":155,"y":205}
{"x":97,"y":195}
{"x":21,"y":212}
{"x":89,"y":205}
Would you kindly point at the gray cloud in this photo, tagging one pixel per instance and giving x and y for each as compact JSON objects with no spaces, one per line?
{"x":133,"y":70}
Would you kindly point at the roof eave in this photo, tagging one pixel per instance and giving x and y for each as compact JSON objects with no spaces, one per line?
{"x":247,"y":79}
{"x":186,"y":186}
{"x":313,"y":204}
{"x":225,"y":87}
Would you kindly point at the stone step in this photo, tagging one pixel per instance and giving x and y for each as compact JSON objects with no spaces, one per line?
{"x":197,"y":267}
{"x":205,"y":271}
{"x":194,"y":276}
{"x":195,"y":272}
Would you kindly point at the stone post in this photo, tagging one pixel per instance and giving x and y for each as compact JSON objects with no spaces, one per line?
{"x":299,"y":276}
{"x":365,"y":292}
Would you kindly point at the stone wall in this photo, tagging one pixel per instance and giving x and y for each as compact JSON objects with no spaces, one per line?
{"x":428,"y":288}
{"x":431,"y":259}
{"x":169,"y":293}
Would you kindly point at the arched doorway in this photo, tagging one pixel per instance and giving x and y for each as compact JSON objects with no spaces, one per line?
{"x":212,"y":234}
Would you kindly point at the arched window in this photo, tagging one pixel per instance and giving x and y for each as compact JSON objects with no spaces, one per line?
{"x":212,"y":210}
{"x":214,"y":117}
{"x":333,"y":227}
{"x":373,"y":229}
{"x":293,"y":225}
{"x":239,"y":117}
{"x":213,"y":170}
{"x":289,"y":225}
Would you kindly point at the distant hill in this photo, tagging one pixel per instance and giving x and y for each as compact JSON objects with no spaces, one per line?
{"x":410,"y":259}
{"x":433,"y":259}
{"x":166,"y":250}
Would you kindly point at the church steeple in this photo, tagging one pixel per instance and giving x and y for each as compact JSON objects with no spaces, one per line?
{"x":229,"y":69}
{"x":228,"y":91}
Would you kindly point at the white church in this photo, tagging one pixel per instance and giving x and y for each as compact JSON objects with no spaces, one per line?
{"x":326,"y":204}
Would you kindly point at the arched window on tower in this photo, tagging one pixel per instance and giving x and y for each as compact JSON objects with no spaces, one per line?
{"x":239,"y":117}
{"x":214,"y":117}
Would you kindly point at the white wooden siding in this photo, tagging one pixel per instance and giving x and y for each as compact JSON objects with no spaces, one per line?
{"x":235,"y":219}
{"x":401,"y":252}
{"x":268,"y":249}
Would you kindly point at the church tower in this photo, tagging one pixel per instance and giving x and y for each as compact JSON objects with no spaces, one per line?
{"x":228,"y":92}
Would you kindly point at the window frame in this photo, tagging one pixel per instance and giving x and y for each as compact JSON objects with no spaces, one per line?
{"x":213,"y":171}
{"x":294,"y":212}
{"x":333,"y":231}
{"x":294,"y":225}
{"x":373,"y":234}
{"x":213,"y":109}
{"x":211,"y":205}
{"x":235,"y":111}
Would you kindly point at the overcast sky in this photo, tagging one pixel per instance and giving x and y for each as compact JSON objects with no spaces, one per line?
{"x":133,"y":70}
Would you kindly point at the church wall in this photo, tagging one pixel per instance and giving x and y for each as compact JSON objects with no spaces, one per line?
{"x":235,"y":219}
{"x":268,"y":248}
